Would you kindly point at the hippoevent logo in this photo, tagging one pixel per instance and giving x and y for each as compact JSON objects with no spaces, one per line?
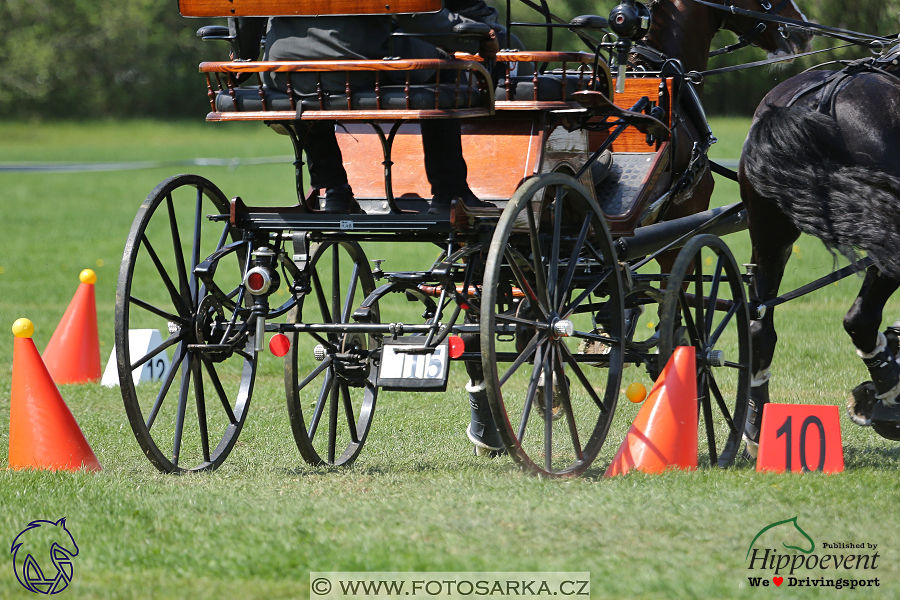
{"x":42,"y":556}
{"x":800,"y":562}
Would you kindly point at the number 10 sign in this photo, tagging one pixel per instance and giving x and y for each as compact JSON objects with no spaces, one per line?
{"x":800,"y":437}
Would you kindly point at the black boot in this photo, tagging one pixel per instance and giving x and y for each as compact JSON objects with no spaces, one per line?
{"x":482,"y":431}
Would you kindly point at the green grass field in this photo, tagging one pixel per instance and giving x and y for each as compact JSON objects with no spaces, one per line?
{"x":416,"y":500}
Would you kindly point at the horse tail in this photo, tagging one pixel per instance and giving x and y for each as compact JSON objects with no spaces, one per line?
{"x":798,"y":158}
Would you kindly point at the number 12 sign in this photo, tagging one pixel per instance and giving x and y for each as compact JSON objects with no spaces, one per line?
{"x":800,"y":437}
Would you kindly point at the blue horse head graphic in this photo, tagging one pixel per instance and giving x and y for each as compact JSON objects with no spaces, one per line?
{"x":40,"y":541}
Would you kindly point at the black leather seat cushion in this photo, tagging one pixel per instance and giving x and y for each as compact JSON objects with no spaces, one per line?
{"x":549,"y":88}
{"x":393,"y":97}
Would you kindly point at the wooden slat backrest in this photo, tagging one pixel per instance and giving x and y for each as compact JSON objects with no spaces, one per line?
{"x":303,"y":8}
{"x":631,"y":139}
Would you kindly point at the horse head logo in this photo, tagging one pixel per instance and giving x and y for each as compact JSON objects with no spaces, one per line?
{"x":44,"y":543}
{"x":791,"y":525}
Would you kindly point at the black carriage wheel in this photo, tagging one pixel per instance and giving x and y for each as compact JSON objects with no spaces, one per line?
{"x":188,"y":417}
{"x":553,"y":249}
{"x":329,"y":377}
{"x":706,"y":269}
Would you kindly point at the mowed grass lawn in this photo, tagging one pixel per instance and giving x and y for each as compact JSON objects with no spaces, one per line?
{"x":416,"y":499}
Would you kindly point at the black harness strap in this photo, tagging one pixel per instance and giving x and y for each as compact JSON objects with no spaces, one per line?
{"x":862,"y":264}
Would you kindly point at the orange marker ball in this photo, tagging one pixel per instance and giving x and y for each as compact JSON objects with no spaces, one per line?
{"x":636,"y":392}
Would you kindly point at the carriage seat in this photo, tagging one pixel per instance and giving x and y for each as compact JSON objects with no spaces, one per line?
{"x":393,"y":97}
{"x":549,"y":88}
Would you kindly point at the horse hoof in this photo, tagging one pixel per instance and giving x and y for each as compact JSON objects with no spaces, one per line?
{"x":862,"y":403}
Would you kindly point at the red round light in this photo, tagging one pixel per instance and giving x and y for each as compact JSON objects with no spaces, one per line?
{"x":256,"y":282}
{"x":457,"y":346}
{"x":279,"y":344}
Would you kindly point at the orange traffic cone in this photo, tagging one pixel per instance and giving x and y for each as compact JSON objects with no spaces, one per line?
{"x":664,"y":433}
{"x":43,"y":433}
{"x":73,"y":354}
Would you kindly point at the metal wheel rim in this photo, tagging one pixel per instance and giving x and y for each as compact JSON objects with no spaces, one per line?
{"x":195,"y":361}
{"x":305,"y":432}
{"x":674,"y":305}
{"x":511,"y":427}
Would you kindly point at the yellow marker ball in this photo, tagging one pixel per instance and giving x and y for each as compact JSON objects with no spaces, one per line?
{"x":636,"y":392}
{"x":23,"y":328}
{"x":88,"y":276}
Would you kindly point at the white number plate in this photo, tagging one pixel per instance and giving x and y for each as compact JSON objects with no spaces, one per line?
{"x":413,"y":370}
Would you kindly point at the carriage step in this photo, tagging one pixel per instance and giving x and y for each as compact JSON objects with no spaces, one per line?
{"x":616,"y":193}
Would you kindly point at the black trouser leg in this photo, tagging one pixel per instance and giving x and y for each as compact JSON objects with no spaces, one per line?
{"x":323,"y":155}
{"x":444,"y":162}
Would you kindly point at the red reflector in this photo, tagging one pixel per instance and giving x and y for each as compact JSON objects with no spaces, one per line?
{"x":256,"y":282}
{"x":464,"y":306}
{"x":457,"y":347}
{"x":279,"y":344}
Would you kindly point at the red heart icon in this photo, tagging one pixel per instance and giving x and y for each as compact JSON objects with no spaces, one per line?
{"x":778,"y":580}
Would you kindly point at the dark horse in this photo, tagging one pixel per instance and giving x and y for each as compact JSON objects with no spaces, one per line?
{"x":823,"y":158}
{"x":684,"y":30}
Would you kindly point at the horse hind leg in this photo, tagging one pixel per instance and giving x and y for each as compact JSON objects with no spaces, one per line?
{"x":772,"y":236}
{"x":878,"y":350}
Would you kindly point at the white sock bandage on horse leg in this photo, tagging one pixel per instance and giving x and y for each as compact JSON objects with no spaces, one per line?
{"x":879,"y":347}
{"x":474,"y":388}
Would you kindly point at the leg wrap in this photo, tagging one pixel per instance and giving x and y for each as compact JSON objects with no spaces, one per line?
{"x":884,"y":369}
{"x":482,"y":431}
{"x":759,"y":397}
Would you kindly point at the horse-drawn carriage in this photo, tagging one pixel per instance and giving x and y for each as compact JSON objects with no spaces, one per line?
{"x":540,"y":291}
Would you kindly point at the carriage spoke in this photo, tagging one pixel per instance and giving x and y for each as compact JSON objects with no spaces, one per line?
{"x":315,"y":372}
{"x":523,"y":283}
{"x":170,"y":341}
{"x":688,"y":319}
{"x":537,"y":253}
{"x":714,"y":291}
{"x":530,"y":394}
{"x":714,"y":338}
{"x":720,"y":401}
{"x":164,"y":389}
{"x":220,"y":391}
{"x":567,"y":408}
{"x":182,"y":406}
{"x":566,"y":312}
{"x":177,"y":300}
{"x":158,"y":311}
{"x":320,"y":405}
{"x":548,"y":410}
{"x":522,"y":322}
{"x":351,"y":292}
{"x":596,"y":337}
{"x":699,"y":319}
{"x":573,"y":260}
{"x":348,"y":408}
{"x":195,"y":254}
{"x":552,"y":275}
{"x":184,"y":285}
{"x":536,"y":340}
{"x":201,"y":407}
{"x":320,"y":296}
{"x":573,"y":364}
{"x":335,"y":282}
{"x":706,"y":405}
{"x":332,"y":421}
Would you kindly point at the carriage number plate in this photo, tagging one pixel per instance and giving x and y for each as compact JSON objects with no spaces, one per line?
{"x":404,"y":370}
